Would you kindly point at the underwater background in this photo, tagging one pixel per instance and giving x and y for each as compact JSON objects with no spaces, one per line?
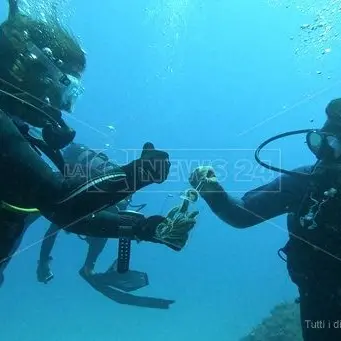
{"x":207,"y":81}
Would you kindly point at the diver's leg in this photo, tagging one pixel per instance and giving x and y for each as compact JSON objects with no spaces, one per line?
{"x":12,"y":231}
{"x":320,"y":314}
{"x":44,"y":273}
{"x":96,"y":246}
{"x":11,"y":234}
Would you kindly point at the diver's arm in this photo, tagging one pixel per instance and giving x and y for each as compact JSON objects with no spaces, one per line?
{"x":27,"y":181}
{"x":229,"y":209}
{"x":263,"y":203}
{"x":10,"y":242}
{"x":13,"y":8}
{"x":105,"y":224}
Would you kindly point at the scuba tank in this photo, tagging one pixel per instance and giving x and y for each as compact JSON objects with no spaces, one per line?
{"x":81,"y":160}
{"x":80,"y":157}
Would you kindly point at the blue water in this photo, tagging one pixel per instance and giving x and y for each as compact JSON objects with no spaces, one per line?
{"x":207,"y":81}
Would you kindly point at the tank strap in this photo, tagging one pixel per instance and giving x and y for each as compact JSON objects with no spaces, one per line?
{"x":40,"y":146}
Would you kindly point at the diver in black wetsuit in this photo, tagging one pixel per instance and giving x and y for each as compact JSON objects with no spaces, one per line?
{"x":85,"y":160}
{"x":311,"y":196}
{"x":40,"y":76}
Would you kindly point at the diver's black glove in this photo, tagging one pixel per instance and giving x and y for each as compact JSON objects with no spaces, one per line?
{"x":172,"y":231}
{"x":44,"y":273}
{"x":140,"y":227}
{"x":58,"y":137}
{"x":146,"y":229}
{"x":152,"y":167}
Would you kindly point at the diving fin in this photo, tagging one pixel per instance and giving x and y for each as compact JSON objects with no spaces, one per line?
{"x":118,"y":296}
{"x":127,"y":281}
{"x":119,"y":275}
{"x":119,"y":280}
{"x":138,"y":301}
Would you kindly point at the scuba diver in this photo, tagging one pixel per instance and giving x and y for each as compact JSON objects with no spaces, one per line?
{"x":79,"y":158}
{"x":118,"y":280}
{"x":311,"y":197}
{"x":40,"y":77}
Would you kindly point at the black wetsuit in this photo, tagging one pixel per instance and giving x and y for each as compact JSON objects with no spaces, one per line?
{"x":96,"y":246}
{"x":82,"y":161}
{"x":313,"y":253}
{"x":76,"y":203}
{"x":113,"y":284}
{"x":13,"y":227}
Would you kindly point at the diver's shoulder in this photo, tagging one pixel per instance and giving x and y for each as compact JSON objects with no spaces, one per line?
{"x":304,"y":169}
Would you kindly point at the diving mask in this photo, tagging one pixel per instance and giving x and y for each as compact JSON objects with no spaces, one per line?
{"x":67,"y":87}
{"x":60,"y":89}
{"x":325,"y":146}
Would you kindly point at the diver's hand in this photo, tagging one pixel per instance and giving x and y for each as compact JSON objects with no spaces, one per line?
{"x":155,"y":164}
{"x":152,"y":167}
{"x":44,"y":274}
{"x":174,"y":229}
{"x":204,"y":180}
{"x":58,"y":138}
{"x":13,"y":8}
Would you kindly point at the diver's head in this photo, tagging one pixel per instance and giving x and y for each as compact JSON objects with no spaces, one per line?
{"x":326,"y":142}
{"x":333,"y":123}
{"x":42,"y":64}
